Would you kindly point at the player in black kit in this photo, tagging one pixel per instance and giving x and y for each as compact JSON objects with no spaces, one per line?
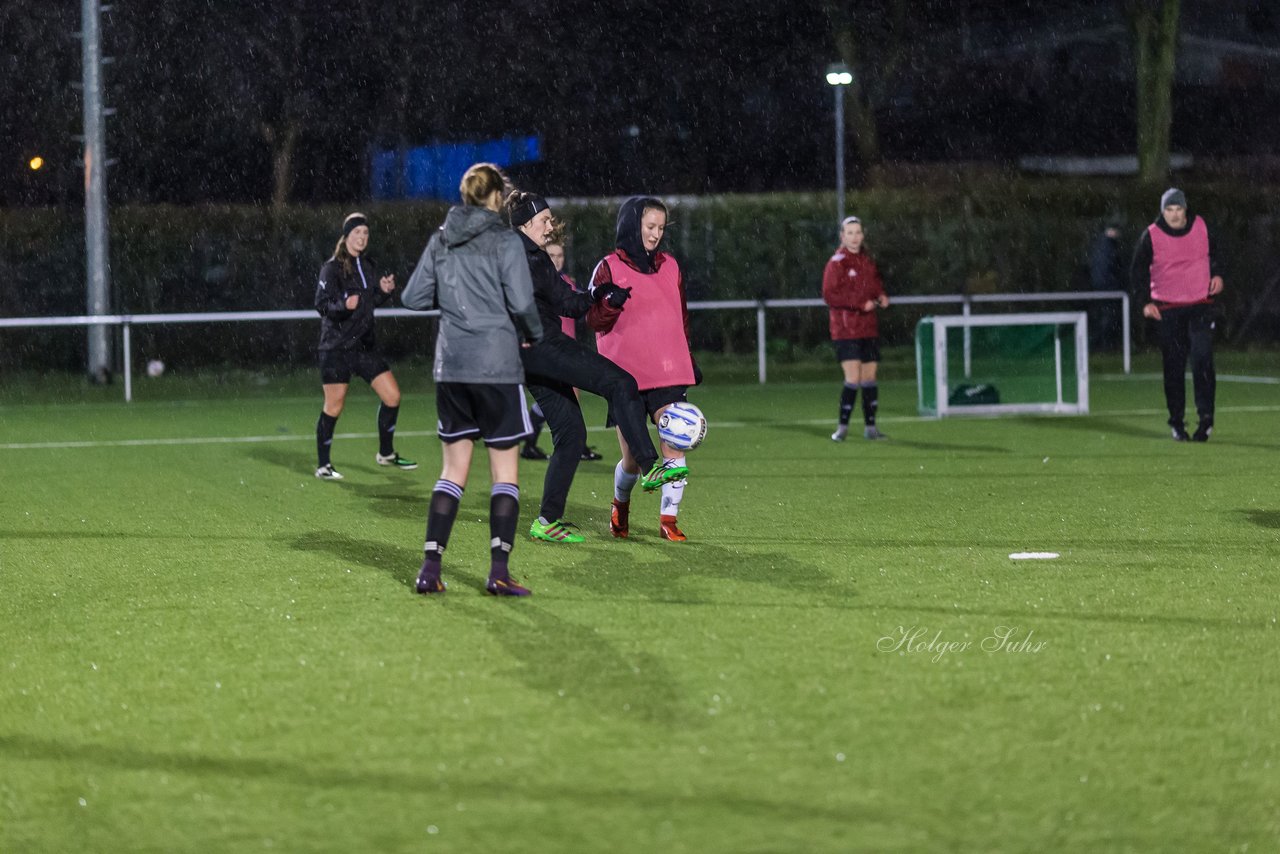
{"x":349,"y":289}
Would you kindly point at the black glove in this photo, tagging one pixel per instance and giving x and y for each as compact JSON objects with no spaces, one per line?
{"x":697,"y":372}
{"x":613,"y":295}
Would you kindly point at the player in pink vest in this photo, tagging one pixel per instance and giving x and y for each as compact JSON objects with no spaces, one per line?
{"x":648,"y":338}
{"x":1175,"y":271}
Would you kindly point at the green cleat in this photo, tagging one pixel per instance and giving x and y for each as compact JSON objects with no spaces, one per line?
{"x":394,"y":459}
{"x":662,"y":473}
{"x":555,"y":532}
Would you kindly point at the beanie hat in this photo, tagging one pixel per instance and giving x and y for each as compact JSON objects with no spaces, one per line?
{"x":1173,"y":196}
{"x":530,"y":206}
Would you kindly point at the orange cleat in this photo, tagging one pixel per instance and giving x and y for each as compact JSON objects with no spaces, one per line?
{"x":669,"y":531}
{"x":619,"y":519}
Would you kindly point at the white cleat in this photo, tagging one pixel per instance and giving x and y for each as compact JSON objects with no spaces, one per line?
{"x":327,"y":472}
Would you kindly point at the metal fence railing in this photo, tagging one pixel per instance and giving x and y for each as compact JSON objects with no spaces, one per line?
{"x":761,"y":307}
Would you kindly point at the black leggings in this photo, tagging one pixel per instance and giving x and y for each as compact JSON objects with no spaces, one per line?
{"x":1187,"y":332}
{"x":553,"y":369}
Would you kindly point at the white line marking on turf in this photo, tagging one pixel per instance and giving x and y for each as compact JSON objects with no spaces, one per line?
{"x":1222,"y":378}
{"x":1033,"y":555}
{"x":300,"y":437}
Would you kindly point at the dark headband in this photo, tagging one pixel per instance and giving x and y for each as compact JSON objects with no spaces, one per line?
{"x":352,"y":224}
{"x":528,"y":209}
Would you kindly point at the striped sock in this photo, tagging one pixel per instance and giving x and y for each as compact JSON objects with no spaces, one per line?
{"x":440,"y":515}
{"x":504,"y":515}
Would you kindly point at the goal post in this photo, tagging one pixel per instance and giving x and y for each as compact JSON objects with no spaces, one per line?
{"x":997,"y":364}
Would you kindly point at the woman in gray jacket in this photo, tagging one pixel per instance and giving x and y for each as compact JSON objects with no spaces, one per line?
{"x":474,"y":271}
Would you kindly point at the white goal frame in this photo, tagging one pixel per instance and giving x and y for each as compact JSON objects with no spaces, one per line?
{"x":941,"y":324}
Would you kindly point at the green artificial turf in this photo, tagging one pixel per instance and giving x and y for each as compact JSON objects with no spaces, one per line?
{"x":204,"y":648}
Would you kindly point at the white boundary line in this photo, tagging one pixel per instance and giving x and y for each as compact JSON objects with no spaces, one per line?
{"x":1222,"y":378}
{"x":299,"y":437}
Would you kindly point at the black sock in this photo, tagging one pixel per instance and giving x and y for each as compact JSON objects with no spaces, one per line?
{"x":848,"y":396}
{"x":504,"y":515}
{"x":440,"y":515}
{"x":870,"y":400}
{"x":324,"y":437}
{"x":387,"y":429}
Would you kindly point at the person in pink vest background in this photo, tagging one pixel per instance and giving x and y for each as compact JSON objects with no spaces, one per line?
{"x":555,"y":249}
{"x":649,"y":339}
{"x":1175,"y":271}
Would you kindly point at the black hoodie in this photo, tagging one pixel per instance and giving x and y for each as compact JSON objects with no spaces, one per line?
{"x":628,"y":234}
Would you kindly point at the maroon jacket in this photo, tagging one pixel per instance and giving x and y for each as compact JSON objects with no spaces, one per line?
{"x":848,"y":282}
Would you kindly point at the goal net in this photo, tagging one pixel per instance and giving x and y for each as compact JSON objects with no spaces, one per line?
{"x":992,"y":364}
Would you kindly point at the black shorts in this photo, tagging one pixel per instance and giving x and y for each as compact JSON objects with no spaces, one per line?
{"x":494,"y":412}
{"x":656,"y":398}
{"x":857,"y":349}
{"x":337,"y":366}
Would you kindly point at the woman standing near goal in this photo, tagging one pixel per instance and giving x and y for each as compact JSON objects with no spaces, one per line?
{"x":474,"y":271}
{"x":852,"y":289}
{"x":649,"y":338}
{"x":349,"y":289}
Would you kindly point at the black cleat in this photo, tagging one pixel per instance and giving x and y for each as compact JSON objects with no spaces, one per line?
{"x":532,"y":452}
{"x":429,"y":579}
{"x":1203,"y":432}
{"x":506,"y":587}
{"x":1180,"y":433}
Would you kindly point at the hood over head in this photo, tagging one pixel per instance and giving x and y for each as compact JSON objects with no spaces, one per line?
{"x":628,"y":234}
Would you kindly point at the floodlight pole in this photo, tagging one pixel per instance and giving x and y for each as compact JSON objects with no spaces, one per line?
{"x":97,"y":265}
{"x":839,"y":153}
{"x":839,"y":76}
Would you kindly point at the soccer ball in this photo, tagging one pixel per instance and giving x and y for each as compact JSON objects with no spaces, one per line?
{"x":155,"y":368}
{"x":682,"y":426}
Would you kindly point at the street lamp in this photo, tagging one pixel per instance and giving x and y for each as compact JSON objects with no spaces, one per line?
{"x":839,"y":76}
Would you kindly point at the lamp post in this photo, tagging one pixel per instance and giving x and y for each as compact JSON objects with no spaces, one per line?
{"x":839,"y":76}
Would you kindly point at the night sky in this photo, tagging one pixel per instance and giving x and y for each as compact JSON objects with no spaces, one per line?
{"x":659,"y":96}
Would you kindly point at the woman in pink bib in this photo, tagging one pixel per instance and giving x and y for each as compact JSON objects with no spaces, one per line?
{"x":649,"y":339}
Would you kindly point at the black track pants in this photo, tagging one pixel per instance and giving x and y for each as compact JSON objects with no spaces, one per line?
{"x":553,"y":369}
{"x":1187,"y":332}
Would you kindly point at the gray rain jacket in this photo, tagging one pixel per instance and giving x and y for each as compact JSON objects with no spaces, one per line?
{"x":474,"y":270}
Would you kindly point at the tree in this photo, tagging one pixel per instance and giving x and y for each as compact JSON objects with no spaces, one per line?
{"x":870,"y":38}
{"x":1154,"y":25}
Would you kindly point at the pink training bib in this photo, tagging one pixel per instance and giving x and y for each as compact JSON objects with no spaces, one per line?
{"x":648,"y":341}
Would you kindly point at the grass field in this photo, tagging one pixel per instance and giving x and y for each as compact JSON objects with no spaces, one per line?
{"x":203,"y":648}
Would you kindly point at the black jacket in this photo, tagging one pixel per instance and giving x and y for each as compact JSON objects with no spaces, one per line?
{"x":342,"y":328}
{"x":552,"y":294}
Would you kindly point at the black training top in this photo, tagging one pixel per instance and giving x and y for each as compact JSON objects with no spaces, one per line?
{"x":342,"y":328}
{"x":551,"y":293}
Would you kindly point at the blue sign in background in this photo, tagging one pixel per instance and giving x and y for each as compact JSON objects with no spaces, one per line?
{"x":433,"y":171}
